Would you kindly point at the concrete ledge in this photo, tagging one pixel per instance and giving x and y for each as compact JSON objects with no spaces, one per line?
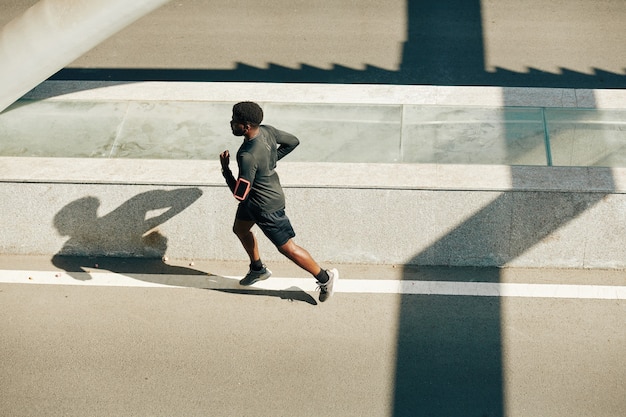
{"x":319,"y":175}
{"x":337,"y":93}
{"x":342,"y":213}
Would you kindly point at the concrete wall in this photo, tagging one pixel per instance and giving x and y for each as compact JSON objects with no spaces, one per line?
{"x":343,"y":213}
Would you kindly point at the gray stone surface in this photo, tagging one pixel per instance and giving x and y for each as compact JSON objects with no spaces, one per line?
{"x":156,"y":208}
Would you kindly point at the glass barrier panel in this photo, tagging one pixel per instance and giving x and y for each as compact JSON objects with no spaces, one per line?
{"x":587,"y":137}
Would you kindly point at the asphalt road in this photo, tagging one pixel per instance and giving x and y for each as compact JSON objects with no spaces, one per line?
{"x":563,"y":43}
{"x":91,"y":350}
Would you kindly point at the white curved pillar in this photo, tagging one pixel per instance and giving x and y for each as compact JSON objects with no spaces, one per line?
{"x":54,"y":33}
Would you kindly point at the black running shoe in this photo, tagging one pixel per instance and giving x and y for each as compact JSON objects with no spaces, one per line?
{"x":255,"y":276}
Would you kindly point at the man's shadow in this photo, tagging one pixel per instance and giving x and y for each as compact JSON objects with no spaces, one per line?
{"x":130,"y":230}
{"x":127,"y":241}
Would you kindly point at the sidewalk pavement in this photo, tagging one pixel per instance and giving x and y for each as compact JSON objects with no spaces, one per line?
{"x":95,"y":348}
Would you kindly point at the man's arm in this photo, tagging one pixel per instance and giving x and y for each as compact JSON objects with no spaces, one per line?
{"x":286,"y":143}
{"x":241,"y":186}
{"x":230,"y":179}
{"x":226,"y":172}
{"x":247,"y":173}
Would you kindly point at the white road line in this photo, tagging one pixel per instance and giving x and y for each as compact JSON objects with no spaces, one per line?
{"x":478,"y":289}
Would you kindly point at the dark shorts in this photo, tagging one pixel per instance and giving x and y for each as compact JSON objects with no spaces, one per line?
{"x":276,"y":226}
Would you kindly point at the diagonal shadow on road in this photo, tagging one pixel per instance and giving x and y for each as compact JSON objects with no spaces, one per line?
{"x":160,"y":272}
{"x":450,"y":350}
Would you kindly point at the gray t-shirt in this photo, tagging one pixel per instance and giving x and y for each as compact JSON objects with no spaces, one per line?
{"x":257,"y":163}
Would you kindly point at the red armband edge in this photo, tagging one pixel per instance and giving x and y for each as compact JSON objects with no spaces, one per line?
{"x":242,"y":188}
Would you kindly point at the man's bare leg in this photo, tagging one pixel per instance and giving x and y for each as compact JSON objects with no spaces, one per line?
{"x":258,"y":271}
{"x":242,"y":229}
{"x":300,"y":257}
{"x":325,"y":279}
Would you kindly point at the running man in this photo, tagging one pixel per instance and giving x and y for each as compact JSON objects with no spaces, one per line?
{"x":261,"y":197}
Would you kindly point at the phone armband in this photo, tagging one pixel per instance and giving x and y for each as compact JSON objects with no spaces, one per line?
{"x":242,"y":188}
